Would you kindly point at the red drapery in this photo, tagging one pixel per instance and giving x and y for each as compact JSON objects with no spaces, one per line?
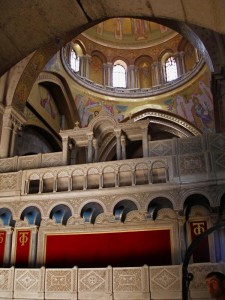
{"x":23,"y":242}
{"x":118,"y":249}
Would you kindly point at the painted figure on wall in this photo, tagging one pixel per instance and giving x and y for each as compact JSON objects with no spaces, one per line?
{"x":118,"y":28}
{"x":197,"y":108}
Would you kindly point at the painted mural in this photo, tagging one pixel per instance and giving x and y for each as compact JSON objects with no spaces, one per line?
{"x":195,"y":104}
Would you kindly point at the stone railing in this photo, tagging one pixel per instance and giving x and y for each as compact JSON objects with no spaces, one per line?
{"x":158,"y":282}
{"x":170,"y":161}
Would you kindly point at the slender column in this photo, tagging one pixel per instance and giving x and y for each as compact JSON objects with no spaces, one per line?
{"x":7,"y":254}
{"x":196,"y":56}
{"x":145,"y":141}
{"x":109,"y":74}
{"x":156,"y":74}
{"x":6,"y":135}
{"x":82,"y":66}
{"x":95,"y":145}
{"x":15,"y":129}
{"x":87,"y":66}
{"x":90,"y":147}
{"x":118,"y":143}
{"x":65,"y":150}
{"x":104,"y":67}
{"x":33,"y":252}
{"x":123,"y":145}
{"x":136,"y":79}
{"x":131,"y":76}
{"x":179,"y":57}
{"x":183,"y":69}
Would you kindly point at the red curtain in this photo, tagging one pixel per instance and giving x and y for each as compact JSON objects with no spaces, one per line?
{"x":201,"y":254}
{"x":119,"y":249}
{"x":23,"y":242}
{"x":2,"y":246}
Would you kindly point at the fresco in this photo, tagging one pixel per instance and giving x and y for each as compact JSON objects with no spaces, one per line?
{"x":128,"y":32}
{"x":195,"y":104}
{"x":88,"y":108}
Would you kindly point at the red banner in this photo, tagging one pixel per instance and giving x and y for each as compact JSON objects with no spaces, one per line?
{"x":2,"y":246}
{"x":23,"y":242}
{"x":119,"y":249}
{"x":201,"y":253}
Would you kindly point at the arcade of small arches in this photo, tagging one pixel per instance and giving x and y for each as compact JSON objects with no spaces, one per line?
{"x":124,"y":210}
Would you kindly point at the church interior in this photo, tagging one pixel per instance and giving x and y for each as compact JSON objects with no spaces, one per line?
{"x":112,"y":136}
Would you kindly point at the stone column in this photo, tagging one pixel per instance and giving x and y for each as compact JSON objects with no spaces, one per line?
{"x":109,"y":67}
{"x":87,"y":65}
{"x":82,"y":66}
{"x":6,"y":135}
{"x":8,"y":245}
{"x":65,"y":150}
{"x":123,"y":145}
{"x":15,"y":129}
{"x":95,"y":145}
{"x":33,"y":252}
{"x":90,"y":147}
{"x":118,"y":143}
{"x":196,"y":56}
{"x":104,"y":67}
{"x":131,"y":75}
{"x":145,"y":141}
{"x":179,"y":58}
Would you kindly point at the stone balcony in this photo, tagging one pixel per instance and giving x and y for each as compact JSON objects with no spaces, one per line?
{"x":161,"y":282}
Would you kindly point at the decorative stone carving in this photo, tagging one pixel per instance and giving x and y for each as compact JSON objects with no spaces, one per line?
{"x":61,"y":284}
{"x":135,"y":216}
{"x":192,"y":164}
{"x":9,"y":182}
{"x":29,"y":283}
{"x":95,"y":283}
{"x":6,"y":283}
{"x":166,"y":282}
{"x":105,"y":218}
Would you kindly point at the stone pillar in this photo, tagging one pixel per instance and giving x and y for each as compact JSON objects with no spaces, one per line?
{"x":104,"y":67}
{"x":95,"y":145}
{"x":109,"y":69}
{"x":118,"y":143}
{"x":65,"y":150}
{"x":131,"y":76}
{"x":145,"y":141}
{"x":6,"y":135}
{"x":196,"y":56}
{"x":87,"y":65}
{"x":15,"y":129}
{"x":179,"y":58}
{"x":33,"y":252}
{"x":90,"y":147}
{"x":123,"y":145}
{"x":8,"y":245}
{"x":82,"y":66}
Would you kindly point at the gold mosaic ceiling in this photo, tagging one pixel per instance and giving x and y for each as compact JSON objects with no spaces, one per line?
{"x":129,"y":33}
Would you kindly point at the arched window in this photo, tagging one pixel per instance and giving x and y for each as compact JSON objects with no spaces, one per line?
{"x":171,"y":69}
{"x":119,"y":74}
{"x":74,"y":61}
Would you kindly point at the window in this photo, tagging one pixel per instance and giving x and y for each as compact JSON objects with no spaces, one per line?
{"x":171,"y":69}
{"x":74,"y":61}
{"x":119,"y":75}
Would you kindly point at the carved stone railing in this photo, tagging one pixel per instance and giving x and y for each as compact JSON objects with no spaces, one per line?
{"x":158,"y":282}
{"x":175,"y":161}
